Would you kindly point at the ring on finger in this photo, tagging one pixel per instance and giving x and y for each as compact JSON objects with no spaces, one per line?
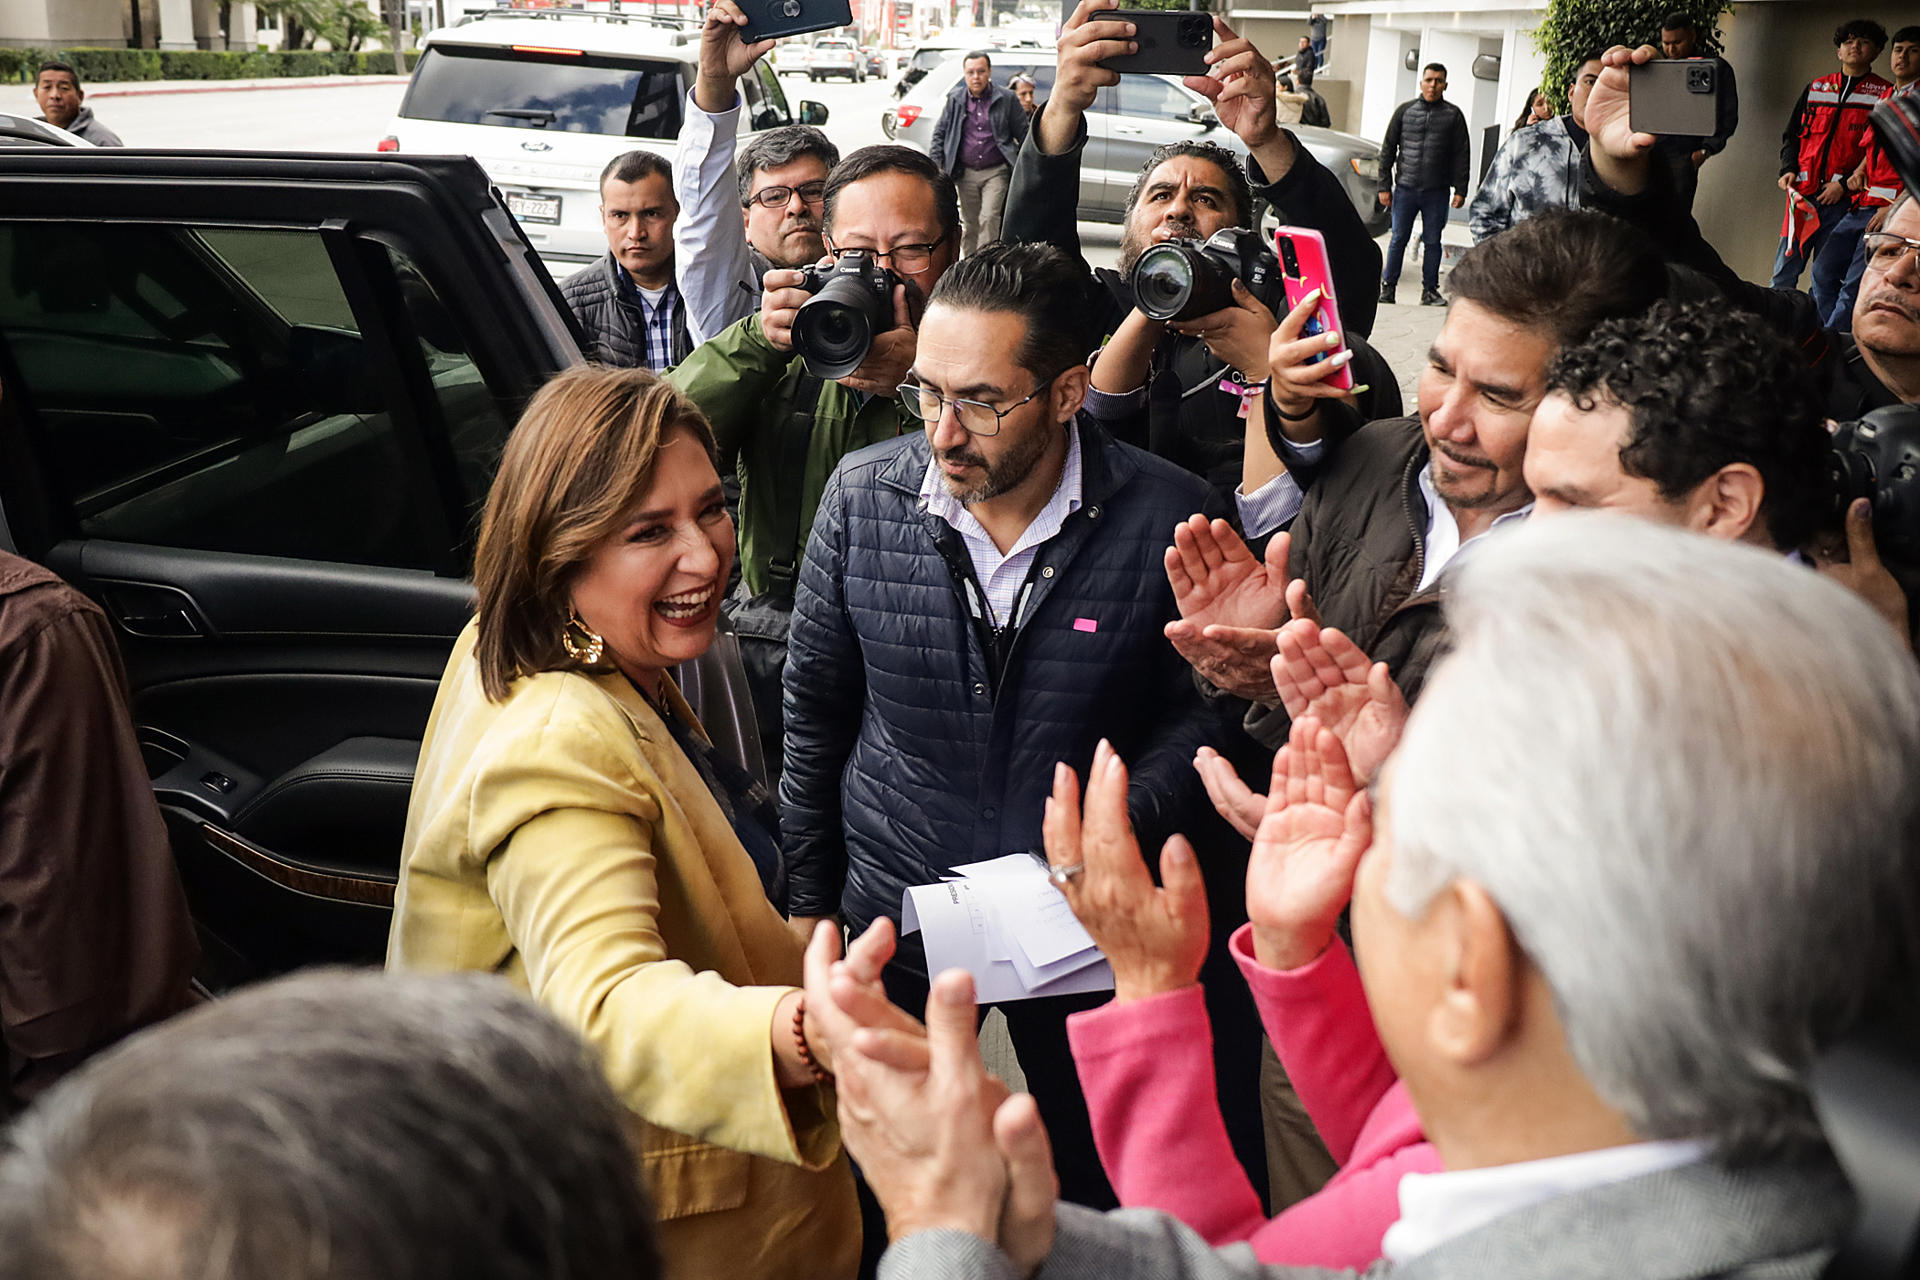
{"x":1062,"y":874}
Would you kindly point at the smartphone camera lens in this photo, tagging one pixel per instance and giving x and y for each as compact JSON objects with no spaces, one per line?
{"x":1289,"y":260}
{"x":1194,"y":32}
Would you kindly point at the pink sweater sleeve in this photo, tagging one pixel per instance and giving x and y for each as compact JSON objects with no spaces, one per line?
{"x":1147,"y":1071}
{"x":1322,"y":1030}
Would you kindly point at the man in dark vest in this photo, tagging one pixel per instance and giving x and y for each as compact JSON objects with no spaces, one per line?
{"x":628,"y":305}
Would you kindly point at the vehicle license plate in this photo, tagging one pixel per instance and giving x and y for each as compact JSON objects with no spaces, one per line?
{"x":529,"y":208}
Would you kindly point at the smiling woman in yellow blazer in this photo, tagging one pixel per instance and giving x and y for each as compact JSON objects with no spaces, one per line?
{"x":571,"y":829}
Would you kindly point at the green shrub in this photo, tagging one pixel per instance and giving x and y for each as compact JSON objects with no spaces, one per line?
{"x":1574,"y":29}
{"x":205,"y":64}
{"x":97,"y":65}
{"x":19,"y":66}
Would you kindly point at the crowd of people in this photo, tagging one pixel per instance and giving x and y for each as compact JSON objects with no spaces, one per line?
{"x":1489,"y":812}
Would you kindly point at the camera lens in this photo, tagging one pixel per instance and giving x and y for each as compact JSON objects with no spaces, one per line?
{"x":1163,"y":281}
{"x":832,"y":336}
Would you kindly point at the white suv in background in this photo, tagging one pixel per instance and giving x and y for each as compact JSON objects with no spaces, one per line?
{"x":834,"y":56}
{"x":544,"y":99}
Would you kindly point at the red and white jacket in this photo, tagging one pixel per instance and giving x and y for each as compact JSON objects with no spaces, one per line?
{"x":1883,"y":181}
{"x":1825,"y":136}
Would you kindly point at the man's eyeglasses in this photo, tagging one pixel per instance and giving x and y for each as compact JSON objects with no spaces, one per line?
{"x":1884,"y":249}
{"x":907,"y":259}
{"x":775,"y":197}
{"x":977,"y":416}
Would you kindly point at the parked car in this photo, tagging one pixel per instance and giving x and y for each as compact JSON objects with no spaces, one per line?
{"x":20,"y":131}
{"x":834,"y":56}
{"x":790,"y":57}
{"x":1127,"y":122}
{"x":935,"y":50}
{"x":254,"y":405}
{"x":543,"y":99}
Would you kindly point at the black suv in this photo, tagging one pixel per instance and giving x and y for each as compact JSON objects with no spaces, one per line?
{"x":252,"y":404}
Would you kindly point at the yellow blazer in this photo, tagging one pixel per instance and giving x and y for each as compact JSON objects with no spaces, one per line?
{"x":562,"y":839}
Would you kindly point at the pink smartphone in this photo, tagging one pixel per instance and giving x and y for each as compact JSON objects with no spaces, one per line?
{"x":1304,"y":268}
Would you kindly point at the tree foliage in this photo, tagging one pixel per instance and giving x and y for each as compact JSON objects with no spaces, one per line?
{"x":344,"y":24}
{"x":1575,"y":30}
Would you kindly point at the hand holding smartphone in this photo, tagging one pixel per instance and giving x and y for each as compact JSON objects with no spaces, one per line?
{"x":1304,"y":267}
{"x":1675,"y":96}
{"x":1173,"y":42}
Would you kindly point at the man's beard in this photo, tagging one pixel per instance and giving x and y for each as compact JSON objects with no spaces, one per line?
{"x":1136,"y":239}
{"x":1000,"y":477}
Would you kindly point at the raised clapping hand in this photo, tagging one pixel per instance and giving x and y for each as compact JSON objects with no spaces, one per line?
{"x":1155,"y":939}
{"x":938,"y":1138}
{"x":1317,"y":825}
{"x":1231,"y":605}
{"x":1319,"y":672}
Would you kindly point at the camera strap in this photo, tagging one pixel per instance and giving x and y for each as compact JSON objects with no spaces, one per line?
{"x":793,"y":436}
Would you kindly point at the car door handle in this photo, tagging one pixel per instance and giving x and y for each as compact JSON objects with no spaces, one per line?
{"x":153,"y":610}
{"x":1127,"y":128}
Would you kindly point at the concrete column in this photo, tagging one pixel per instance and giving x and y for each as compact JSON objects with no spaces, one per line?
{"x":175,"y":24}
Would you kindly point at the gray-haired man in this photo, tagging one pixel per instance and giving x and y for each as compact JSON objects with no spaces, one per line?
{"x":332,"y":1126}
{"x":1628,"y":872}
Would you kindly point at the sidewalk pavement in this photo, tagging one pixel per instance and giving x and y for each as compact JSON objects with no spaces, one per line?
{"x":18,"y":99}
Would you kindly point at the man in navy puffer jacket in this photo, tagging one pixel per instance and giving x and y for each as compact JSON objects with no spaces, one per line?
{"x":979,"y":602}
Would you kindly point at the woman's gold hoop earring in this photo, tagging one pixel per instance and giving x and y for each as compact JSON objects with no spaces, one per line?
{"x":584,"y":646}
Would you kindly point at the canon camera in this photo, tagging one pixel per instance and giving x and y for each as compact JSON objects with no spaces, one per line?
{"x":1877,"y":457}
{"x":852,"y":301}
{"x":1180,"y":279}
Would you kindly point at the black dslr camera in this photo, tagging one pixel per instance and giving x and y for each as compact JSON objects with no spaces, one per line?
{"x":1878,"y":457}
{"x":852,"y":301}
{"x":1181,"y":279}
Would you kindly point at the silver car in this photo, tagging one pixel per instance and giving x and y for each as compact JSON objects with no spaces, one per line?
{"x":1127,"y":122}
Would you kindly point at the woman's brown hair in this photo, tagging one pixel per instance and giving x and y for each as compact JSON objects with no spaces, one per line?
{"x":581,"y":456}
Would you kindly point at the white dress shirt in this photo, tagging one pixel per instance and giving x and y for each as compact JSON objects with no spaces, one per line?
{"x":1437,"y":1207}
{"x":710,"y":237}
{"x":1001,"y":576}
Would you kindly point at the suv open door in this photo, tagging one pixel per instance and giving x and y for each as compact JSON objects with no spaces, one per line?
{"x":252,"y":405}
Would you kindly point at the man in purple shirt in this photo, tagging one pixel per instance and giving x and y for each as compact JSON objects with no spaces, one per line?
{"x":975,"y":142}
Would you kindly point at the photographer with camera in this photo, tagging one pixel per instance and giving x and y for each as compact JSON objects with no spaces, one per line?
{"x":1181,"y":389}
{"x":721,"y":252}
{"x":789,"y":394}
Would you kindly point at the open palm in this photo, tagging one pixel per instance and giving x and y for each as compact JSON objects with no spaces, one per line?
{"x":1317,"y":825}
{"x":1321,"y":672}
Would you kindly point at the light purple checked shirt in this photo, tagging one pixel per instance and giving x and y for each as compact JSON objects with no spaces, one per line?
{"x":1001,"y":576}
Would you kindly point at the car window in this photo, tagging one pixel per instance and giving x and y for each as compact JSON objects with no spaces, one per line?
{"x":210,"y":389}
{"x":1152,"y":96}
{"x":772,"y":111}
{"x":574,"y":93}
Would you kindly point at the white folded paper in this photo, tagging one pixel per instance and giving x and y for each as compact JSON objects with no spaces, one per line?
{"x":1005,"y":923}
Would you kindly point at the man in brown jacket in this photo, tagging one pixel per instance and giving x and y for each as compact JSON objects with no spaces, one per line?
{"x":95,"y":940}
{"x":1387,"y":505}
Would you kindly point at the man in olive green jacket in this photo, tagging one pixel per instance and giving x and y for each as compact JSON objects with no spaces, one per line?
{"x":784,"y":428}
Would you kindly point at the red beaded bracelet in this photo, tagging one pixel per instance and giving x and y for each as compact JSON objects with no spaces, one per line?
{"x":820,"y":1074}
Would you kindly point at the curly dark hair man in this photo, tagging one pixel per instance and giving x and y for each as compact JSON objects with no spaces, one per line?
{"x":1690,"y":415}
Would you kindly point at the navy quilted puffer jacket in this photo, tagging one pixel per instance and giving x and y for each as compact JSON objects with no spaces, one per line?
{"x":904,"y":758}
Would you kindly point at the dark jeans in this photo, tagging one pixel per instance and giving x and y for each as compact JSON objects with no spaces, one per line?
{"x":1431,"y":205}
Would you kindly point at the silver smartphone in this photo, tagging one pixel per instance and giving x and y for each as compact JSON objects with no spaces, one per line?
{"x":1675,"y":96}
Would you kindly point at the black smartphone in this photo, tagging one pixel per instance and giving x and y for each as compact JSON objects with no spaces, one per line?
{"x":1675,"y":96}
{"x":1173,"y":42}
{"x":767,"y":19}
